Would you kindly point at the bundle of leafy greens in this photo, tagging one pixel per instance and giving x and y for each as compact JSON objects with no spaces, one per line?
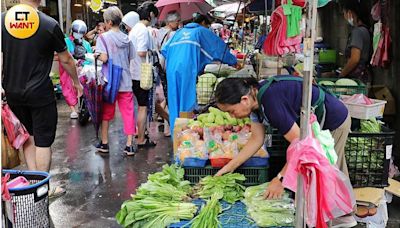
{"x":171,"y":174}
{"x":362,"y":152}
{"x":159,"y":202}
{"x":227,"y":186}
{"x":152,"y":212}
{"x":268,"y":213}
{"x":208,"y":216}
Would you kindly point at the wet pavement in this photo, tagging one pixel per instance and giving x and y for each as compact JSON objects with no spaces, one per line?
{"x":97,"y":184}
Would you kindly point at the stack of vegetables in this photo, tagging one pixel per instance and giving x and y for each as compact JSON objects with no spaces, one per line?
{"x":268,"y":213}
{"x":227,"y":186}
{"x":213,"y":189}
{"x":159,"y":202}
{"x":361,"y":152}
{"x":214,"y":135}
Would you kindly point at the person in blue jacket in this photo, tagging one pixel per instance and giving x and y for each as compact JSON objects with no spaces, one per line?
{"x":187,"y":53}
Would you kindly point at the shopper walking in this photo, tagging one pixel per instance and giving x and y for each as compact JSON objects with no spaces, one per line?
{"x":78,"y":47}
{"x":142,"y":40}
{"x":115,"y":45}
{"x":28,"y":88}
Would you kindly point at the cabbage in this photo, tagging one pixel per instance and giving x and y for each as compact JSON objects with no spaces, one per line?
{"x":326,"y":83}
{"x":346,"y":82}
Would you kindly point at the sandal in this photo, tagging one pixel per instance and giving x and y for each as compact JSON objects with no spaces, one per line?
{"x":56,"y":192}
{"x":148,"y":143}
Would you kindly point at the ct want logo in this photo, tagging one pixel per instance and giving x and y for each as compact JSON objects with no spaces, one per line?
{"x":22,"y":21}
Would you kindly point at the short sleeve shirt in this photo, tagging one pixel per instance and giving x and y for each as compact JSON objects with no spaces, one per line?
{"x":281,"y":104}
{"x":141,"y":39}
{"x":27,"y":63}
{"x":360,"y":39}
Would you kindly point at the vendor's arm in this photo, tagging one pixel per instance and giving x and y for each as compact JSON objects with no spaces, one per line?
{"x":255,"y":142}
{"x":352,"y":62}
{"x":275,"y":188}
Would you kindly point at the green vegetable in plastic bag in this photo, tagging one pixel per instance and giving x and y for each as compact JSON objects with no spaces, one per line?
{"x":268,"y":213}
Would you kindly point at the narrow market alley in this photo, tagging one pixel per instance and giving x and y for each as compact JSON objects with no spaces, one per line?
{"x":96,"y":184}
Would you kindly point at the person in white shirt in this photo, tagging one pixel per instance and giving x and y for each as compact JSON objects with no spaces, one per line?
{"x":142,"y":40}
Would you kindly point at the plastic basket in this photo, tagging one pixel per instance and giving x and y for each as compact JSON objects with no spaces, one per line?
{"x":368,"y":158}
{"x":219,"y":162}
{"x":254,"y":175}
{"x":205,"y":89}
{"x":195,"y":162}
{"x":365,"y":112}
{"x":361,"y":88}
{"x":256,"y":162}
{"x":29,"y":206}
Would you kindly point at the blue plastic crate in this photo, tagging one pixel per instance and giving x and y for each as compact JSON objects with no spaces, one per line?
{"x":195,"y":162}
{"x":256,"y":162}
{"x":234,"y":217}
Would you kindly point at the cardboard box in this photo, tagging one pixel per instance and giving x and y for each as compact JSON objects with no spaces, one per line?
{"x":383,"y":93}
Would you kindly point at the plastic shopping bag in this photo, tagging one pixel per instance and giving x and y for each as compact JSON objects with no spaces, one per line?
{"x":16,"y":132}
{"x":327,"y":190}
{"x":325,"y":139}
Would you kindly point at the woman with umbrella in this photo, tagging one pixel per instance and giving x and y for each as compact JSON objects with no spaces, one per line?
{"x":115,"y":45}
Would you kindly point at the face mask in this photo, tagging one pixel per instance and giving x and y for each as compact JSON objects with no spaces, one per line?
{"x":153,"y":21}
{"x":77,"y":35}
{"x":350,"y":21}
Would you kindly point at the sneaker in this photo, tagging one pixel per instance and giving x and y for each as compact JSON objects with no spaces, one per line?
{"x":346,"y":221}
{"x":74,"y":115}
{"x":102,"y":147}
{"x":130,"y":150}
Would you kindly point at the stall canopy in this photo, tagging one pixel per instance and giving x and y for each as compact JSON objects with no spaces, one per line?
{"x":186,"y":8}
{"x":227,"y":10}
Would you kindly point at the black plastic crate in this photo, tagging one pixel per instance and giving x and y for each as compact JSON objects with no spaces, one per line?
{"x":254,"y":175}
{"x":368,"y":158}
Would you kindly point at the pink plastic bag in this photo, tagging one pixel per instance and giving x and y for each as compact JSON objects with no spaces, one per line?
{"x":16,"y":132}
{"x":358,"y":99}
{"x":328,"y":192}
{"x":68,"y":90}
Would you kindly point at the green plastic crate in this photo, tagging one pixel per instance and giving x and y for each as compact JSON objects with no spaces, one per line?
{"x":254,"y":175}
{"x":361,"y":88}
{"x":327,"y":56}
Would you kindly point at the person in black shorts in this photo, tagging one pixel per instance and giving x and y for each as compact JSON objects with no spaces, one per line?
{"x":28,"y":87}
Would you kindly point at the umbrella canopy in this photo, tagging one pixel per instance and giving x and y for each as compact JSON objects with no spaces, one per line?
{"x":186,"y":8}
{"x":226,"y":10}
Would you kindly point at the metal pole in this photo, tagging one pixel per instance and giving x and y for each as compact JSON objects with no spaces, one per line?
{"x":306,"y":101}
{"x":60,"y":15}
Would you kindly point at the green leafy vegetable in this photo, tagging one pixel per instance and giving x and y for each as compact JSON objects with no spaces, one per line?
{"x":159,"y":201}
{"x":268,"y":213}
{"x":151,"y":212}
{"x":208,"y":216}
{"x":227,"y":186}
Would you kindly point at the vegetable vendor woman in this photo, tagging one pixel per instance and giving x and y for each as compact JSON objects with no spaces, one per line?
{"x":278,"y":104}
